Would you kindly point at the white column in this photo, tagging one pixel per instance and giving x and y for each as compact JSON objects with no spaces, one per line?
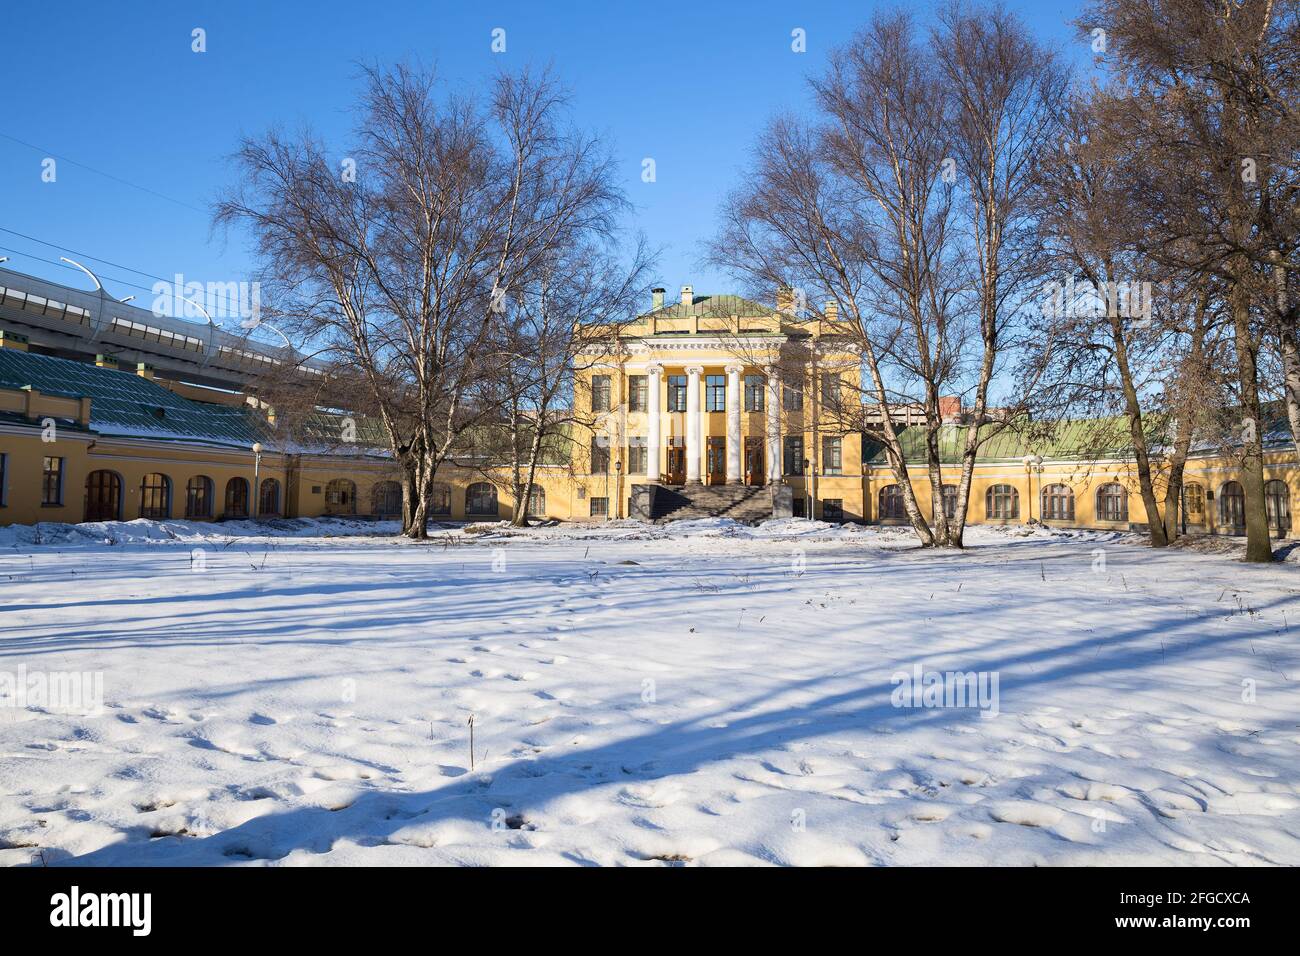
{"x":733,"y":424}
{"x":693,"y":430}
{"x":653,"y":440}
{"x":773,"y":425}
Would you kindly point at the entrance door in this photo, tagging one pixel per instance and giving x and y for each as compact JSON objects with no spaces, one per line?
{"x":676,"y":471}
{"x":755,"y":473}
{"x":717,"y":461}
{"x":103,"y":496}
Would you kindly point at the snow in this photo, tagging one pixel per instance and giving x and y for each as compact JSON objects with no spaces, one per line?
{"x":299,"y":693}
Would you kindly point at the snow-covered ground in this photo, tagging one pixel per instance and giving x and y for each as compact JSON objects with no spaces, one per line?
{"x":703,"y":692}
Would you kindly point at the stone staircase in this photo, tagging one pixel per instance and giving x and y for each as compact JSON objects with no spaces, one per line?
{"x":746,"y":503}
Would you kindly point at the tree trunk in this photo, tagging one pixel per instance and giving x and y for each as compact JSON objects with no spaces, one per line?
{"x":524,"y":486}
{"x":1289,"y":346}
{"x":1137,"y":435}
{"x":1258,"y":546}
{"x":417,"y":492}
{"x":1184,"y":427}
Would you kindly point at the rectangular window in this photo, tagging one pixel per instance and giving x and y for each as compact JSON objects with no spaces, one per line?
{"x":831,"y":391}
{"x":832,"y":509}
{"x":600,"y":393}
{"x":755,"y":385}
{"x":638,"y":393}
{"x":832,"y":456}
{"x":599,"y":454}
{"x":798,"y":507}
{"x":637,"y":456}
{"x":793,"y":455}
{"x":677,"y":393}
{"x":600,"y":507}
{"x":715,"y":393}
{"x":792,"y":394}
{"x":52,"y":482}
{"x":950,"y":502}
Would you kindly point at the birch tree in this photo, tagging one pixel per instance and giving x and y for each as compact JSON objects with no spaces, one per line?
{"x":905,"y":201}
{"x":393,"y":256}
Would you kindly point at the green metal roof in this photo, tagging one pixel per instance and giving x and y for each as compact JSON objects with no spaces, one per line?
{"x":1082,"y":439}
{"x":1088,"y":438}
{"x":714,"y":306}
{"x":123,"y":403}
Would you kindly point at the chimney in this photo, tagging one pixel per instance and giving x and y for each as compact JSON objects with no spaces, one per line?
{"x":656,"y":299}
{"x":83,"y":411}
{"x":105,"y":361}
{"x":832,"y":311}
{"x":31,"y":398}
{"x":784,"y":298}
{"x":144,"y":370}
{"x":688,"y":295}
{"x":950,"y":407}
{"x":13,"y":340}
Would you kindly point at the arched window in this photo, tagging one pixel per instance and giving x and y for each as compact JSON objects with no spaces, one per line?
{"x":386,"y":499}
{"x":1277,"y":502}
{"x":480,"y":499}
{"x":891,"y":507}
{"x":949,"y":493}
{"x":103,"y":496}
{"x":156,"y":496}
{"x":268,"y":499}
{"x":1002,"y":501}
{"x":440,"y":499}
{"x":1232,"y":507}
{"x":236,"y":498}
{"x":341,"y":497}
{"x":1058,"y":503}
{"x":1194,"y":503}
{"x":537,"y":502}
{"x":198,"y":497}
{"x":1112,"y":502}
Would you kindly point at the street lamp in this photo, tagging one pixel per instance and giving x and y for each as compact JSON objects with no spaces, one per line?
{"x":1032,"y":463}
{"x":257,"y":473}
{"x":102,"y":314}
{"x":99,"y":286}
{"x":618,"y":487}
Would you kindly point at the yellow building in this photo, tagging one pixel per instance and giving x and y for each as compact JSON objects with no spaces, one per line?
{"x":709,"y":405}
{"x":725,"y":399}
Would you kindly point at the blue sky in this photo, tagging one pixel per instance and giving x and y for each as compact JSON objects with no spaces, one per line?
{"x":116,"y":88}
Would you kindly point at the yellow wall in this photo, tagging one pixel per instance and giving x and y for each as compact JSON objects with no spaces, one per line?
{"x":568,"y":488}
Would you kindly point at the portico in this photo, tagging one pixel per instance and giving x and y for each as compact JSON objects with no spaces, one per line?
{"x":714,"y":396}
{"x":685,"y":441}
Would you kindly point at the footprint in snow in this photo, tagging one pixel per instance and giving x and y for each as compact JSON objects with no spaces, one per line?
{"x":1025,"y":813}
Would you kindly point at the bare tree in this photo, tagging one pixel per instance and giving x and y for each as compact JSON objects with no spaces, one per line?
{"x":394,"y":258}
{"x":1009,"y":90}
{"x":1119,"y":345}
{"x":907,"y":204}
{"x":566,"y":316}
{"x":1206,"y":90}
